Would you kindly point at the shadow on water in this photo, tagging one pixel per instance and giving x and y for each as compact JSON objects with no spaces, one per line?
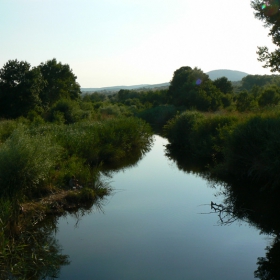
{"x":253,"y":204}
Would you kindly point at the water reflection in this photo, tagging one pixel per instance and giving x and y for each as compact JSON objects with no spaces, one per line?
{"x":248,"y":203}
{"x":131,"y":160}
{"x":32,"y":251}
{"x":33,"y":254}
{"x":187,"y":162}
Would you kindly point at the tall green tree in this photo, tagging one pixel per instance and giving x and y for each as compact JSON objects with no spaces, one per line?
{"x":60,"y":82}
{"x":224,"y":85}
{"x":268,"y":11}
{"x":185,"y":82}
{"x":20,"y":88}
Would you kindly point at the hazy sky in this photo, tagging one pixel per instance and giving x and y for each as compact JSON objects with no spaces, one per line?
{"x":129,"y":42}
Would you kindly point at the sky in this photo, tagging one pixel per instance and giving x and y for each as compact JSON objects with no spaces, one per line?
{"x":132,"y":42}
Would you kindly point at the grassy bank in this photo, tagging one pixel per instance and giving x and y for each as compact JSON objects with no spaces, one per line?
{"x":241,"y":146}
{"x":36,"y":164}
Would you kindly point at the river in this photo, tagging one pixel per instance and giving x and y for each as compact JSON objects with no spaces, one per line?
{"x":152,"y":228}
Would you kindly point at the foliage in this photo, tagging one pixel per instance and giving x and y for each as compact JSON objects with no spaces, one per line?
{"x":252,"y":151}
{"x":269,"y":12}
{"x":198,"y":135}
{"x":208,"y":137}
{"x":67,"y":111}
{"x":158,"y":116}
{"x":6,"y":129}
{"x":107,"y":141}
{"x":185,"y":81}
{"x":269,"y":96}
{"x":269,"y":266}
{"x":25,"y":162}
{"x":250,"y":81}
{"x":60,"y":82}
{"x":178,"y":130}
{"x":224,"y":85}
{"x":20,"y":87}
{"x":245,"y":101}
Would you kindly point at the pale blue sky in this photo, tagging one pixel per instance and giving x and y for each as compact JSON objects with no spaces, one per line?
{"x":129,"y":42}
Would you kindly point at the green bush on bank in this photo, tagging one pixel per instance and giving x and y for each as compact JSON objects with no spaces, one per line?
{"x":158,"y":116}
{"x":108,"y":141}
{"x":179,"y":129}
{"x":252,"y":151}
{"x":36,"y":158}
{"x":25,"y":162}
{"x":200,"y":135}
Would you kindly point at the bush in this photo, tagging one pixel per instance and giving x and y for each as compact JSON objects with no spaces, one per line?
{"x":158,"y":116}
{"x":252,"y":152}
{"x":25,"y":162}
{"x":208,"y":137}
{"x":104,"y":142}
{"x":178,"y":130}
{"x":67,"y":111}
{"x":6,"y":129}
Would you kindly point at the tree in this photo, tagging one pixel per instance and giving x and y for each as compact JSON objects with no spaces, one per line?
{"x":269,"y":96}
{"x":269,"y":266}
{"x":268,"y":11}
{"x":245,"y":101}
{"x":250,"y":81}
{"x":224,"y":85}
{"x":20,"y":87}
{"x":60,"y":82}
{"x":185,"y":82}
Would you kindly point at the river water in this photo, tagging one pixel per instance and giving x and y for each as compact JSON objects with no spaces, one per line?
{"x":152,"y":228}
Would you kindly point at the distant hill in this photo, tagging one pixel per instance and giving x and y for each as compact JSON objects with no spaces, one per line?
{"x":117,"y":88}
{"x":232,"y":75}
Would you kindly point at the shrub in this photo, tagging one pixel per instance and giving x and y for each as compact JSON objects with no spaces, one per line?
{"x":252,"y":152}
{"x":158,"y":116}
{"x":208,"y":137}
{"x":25,"y":162}
{"x":179,"y":129}
{"x":6,"y":129}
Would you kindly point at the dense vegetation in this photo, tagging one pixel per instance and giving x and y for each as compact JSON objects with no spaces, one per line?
{"x":49,"y":132}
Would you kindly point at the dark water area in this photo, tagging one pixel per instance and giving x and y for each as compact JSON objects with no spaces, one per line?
{"x":156,"y":226}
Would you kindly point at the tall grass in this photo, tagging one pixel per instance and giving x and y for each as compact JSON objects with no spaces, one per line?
{"x":25,"y":162}
{"x":104,"y":142}
{"x":50,"y":154}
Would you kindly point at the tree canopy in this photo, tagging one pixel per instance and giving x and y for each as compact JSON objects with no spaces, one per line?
{"x":23,"y":88}
{"x":60,"y":82}
{"x":192,"y":88}
{"x":20,"y":87}
{"x":269,"y":12}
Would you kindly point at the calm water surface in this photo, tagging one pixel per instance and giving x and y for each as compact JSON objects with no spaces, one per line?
{"x":151,"y":228}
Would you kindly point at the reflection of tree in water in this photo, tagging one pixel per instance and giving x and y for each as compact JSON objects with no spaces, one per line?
{"x":269,"y":267}
{"x":186,"y":162}
{"x":131,"y":160}
{"x":256,"y":205}
{"x":33,"y":254}
{"x":259,"y":208}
